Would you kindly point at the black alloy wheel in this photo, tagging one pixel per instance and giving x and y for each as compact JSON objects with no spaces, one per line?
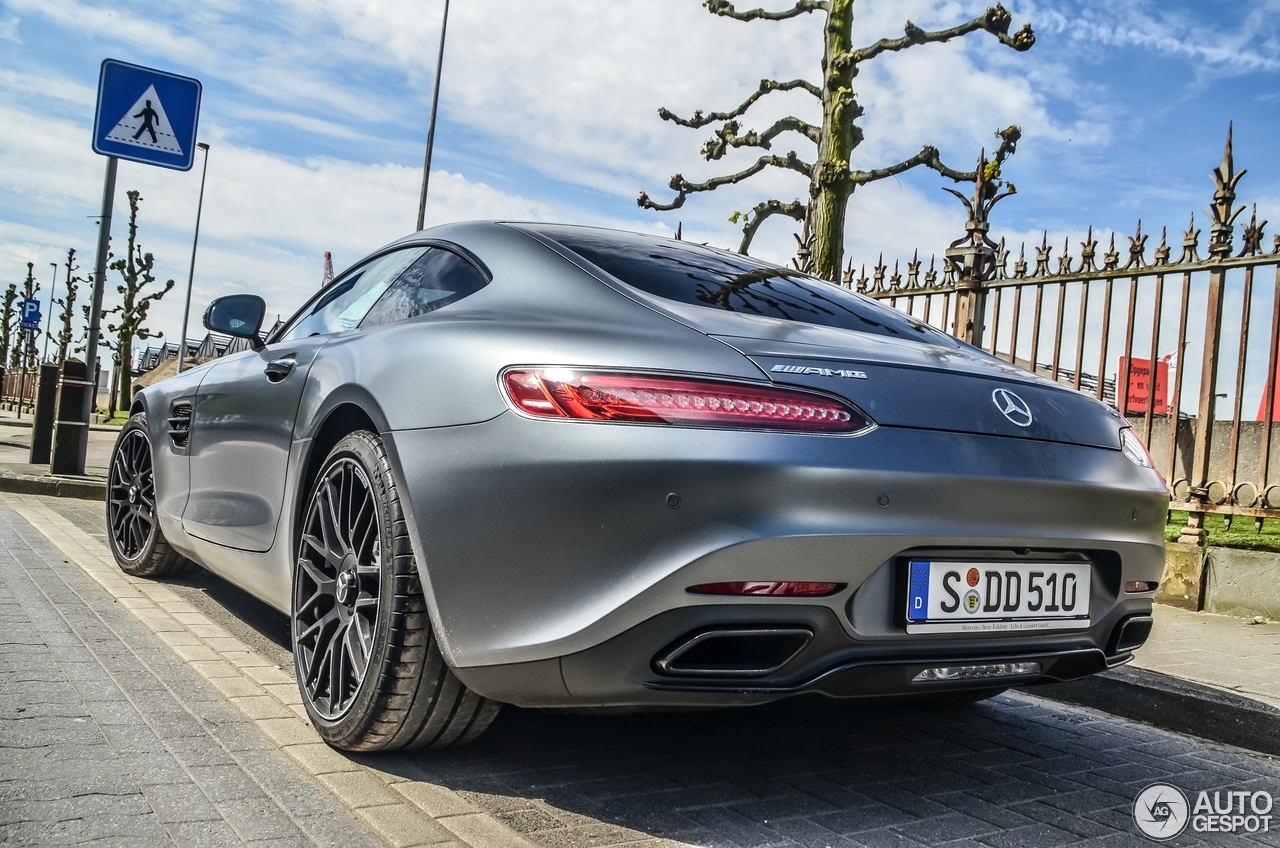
{"x":337,"y":591}
{"x":371,"y":673}
{"x":133,"y":527}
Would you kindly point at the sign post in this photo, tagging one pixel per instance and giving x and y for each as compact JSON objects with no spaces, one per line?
{"x":143,"y":115}
{"x":28,"y":322}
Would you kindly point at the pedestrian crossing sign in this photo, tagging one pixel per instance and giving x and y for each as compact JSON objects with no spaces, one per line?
{"x":147,"y":116}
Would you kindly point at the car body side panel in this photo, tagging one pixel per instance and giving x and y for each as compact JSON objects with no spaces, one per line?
{"x":267,"y":575}
{"x":546,"y":537}
{"x":240,"y":443}
{"x":171,"y":463}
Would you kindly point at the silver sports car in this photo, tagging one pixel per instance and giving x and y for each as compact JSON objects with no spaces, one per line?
{"x":559,"y":466}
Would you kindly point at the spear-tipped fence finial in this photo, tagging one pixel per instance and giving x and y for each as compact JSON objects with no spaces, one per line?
{"x":1222,"y":213}
{"x":1253,"y":235}
{"x":1137,"y":247}
{"x":1111,"y":260}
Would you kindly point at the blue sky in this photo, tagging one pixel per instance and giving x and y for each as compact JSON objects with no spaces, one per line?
{"x":316,"y":111}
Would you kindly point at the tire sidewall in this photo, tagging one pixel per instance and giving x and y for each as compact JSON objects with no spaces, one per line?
{"x":137,"y":421}
{"x":359,"y":446}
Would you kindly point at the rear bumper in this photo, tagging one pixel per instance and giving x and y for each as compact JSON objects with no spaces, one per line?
{"x":626,"y":671}
{"x":543,"y":542}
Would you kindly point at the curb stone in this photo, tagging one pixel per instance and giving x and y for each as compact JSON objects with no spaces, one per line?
{"x":1173,"y":704}
{"x":58,"y":487}
{"x":399,"y":811}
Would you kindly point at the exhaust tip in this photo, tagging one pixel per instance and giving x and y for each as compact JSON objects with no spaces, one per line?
{"x":740,"y":652}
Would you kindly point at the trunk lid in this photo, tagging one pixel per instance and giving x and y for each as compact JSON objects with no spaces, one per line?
{"x":902,"y":383}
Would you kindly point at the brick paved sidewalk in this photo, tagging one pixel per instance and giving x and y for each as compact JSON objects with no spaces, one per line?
{"x":105,"y":736}
{"x":1015,"y":771}
{"x":1215,"y":650}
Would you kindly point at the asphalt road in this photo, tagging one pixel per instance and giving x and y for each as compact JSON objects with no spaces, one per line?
{"x":1015,"y":771}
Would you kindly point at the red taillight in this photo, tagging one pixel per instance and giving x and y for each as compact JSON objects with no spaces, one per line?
{"x":683,"y":401}
{"x":782,"y":588}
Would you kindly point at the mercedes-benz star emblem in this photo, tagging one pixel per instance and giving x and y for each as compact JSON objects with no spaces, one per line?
{"x":1012,"y":407}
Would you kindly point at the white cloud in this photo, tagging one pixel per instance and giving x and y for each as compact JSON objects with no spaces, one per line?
{"x":9,"y":30}
{"x":553,"y":101}
{"x":1251,"y":46}
{"x":266,"y":220}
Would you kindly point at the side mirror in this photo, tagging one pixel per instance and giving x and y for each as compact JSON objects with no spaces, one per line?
{"x":237,"y":315}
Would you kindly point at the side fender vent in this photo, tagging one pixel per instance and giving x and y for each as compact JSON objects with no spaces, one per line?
{"x":180,"y":424}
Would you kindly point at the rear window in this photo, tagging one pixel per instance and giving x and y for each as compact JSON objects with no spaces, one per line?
{"x":703,"y":276}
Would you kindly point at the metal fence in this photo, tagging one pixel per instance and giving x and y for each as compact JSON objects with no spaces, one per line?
{"x":1162,"y":339}
{"x":17,"y":382}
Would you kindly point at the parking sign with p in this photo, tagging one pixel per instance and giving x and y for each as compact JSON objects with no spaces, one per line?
{"x":30,"y":319}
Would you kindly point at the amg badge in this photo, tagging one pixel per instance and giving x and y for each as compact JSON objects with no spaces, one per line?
{"x":821,"y":372}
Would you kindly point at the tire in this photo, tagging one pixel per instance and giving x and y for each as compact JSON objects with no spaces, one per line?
{"x":133,"y":531}
{"x":353,"y":606}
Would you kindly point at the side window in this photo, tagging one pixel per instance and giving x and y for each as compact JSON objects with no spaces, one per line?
{"x":437,"y":279}
{"x":344,"y":304}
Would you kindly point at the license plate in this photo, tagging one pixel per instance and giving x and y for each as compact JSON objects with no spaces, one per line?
{"x":976,"y":597}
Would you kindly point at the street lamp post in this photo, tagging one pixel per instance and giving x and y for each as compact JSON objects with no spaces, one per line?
{"x":431,"y":127}
{"x":191,"y":274}
{"x":49,"y":324}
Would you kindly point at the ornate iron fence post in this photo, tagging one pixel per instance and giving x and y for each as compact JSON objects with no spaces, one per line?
{"x":1220,"y":237}
{"x":971,"y":259}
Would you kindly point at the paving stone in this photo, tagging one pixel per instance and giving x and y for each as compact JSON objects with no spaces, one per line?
{"x":1015,"y":770}
{"x":110,"y":739}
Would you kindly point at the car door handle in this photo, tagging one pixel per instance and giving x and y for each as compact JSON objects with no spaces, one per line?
{"x":278,"y":369}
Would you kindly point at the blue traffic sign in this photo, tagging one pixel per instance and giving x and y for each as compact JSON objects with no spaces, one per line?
{"x":147,"y":116}
{"x":30,"y":319}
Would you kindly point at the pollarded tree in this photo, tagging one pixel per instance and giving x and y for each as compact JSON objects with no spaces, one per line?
{"x":831,"y":179}
{"x":68,"y":305}
{"x":7,"y":323}
{"x":135,"y":268}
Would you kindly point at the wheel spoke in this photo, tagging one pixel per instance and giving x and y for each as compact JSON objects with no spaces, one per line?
{"x":354,"y":648}
{"x":315,"y":630}
{"x":331,"y":513}
{"x":335,"y":668}
{"x":330,"y":556}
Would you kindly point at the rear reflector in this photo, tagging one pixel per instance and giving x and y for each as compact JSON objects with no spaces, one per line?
{"x":976,"y":672}
{"x":680,"y":401}
{"x":1140,"y":586}
{"x":783,"y":588}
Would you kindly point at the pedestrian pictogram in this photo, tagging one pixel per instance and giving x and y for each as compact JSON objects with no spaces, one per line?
{"x":146,"y":115}
{"x":146,"y":125}
{"x":30,"y":318}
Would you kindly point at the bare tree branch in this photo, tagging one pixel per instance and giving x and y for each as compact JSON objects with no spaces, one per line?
{"x":763,"y":212}
{"x":727,"y":136}
{"x":684,"y":188}
{"x":928,"y":157}
{"x":700,"y":119}
{"x":995,"y":20}
{"x":725,"y":9}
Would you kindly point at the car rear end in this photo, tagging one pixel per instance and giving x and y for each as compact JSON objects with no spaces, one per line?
{"x":964,"y":526}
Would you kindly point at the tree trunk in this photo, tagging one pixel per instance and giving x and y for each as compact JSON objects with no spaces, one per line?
{"x":830,"y":185}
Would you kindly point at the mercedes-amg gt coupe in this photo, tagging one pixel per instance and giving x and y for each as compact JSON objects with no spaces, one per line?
{"x":560,"y":466}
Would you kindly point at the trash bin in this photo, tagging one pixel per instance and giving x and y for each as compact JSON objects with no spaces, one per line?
{"x":69,"y":432}
{"x":42,"y":427}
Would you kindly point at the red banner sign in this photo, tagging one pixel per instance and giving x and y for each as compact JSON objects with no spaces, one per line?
{"x":1140,"y":384}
